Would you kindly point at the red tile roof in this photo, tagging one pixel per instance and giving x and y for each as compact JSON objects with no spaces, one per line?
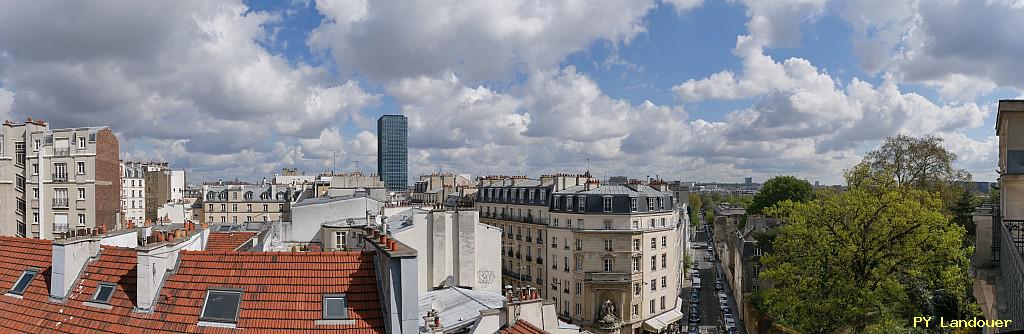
{"x":282,"y":292}
{"x":228,"y":241}
{"x":29,"y":313}
{"x":522,"y":327}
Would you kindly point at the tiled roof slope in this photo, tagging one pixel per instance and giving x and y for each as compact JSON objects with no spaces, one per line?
{"x":27,"y":314}
{"x":282,"y":291}
{"x":227,"y":241}
{"x":522,"y":327}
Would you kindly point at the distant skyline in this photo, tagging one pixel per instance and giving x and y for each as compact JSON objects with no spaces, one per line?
{"x":700,"y":90}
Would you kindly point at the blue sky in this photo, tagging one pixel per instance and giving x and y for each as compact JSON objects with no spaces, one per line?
{"x":684,"y":89}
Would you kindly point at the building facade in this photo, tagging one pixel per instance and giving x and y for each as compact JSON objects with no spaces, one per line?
{"x":590,"y":246}
{"x":239,"y":204}
{"x":393,"y":151}
{"x":158,"y":188}
{"x":56,"y":180}
{"x":435,"y":188}
{"x":133,"y":192}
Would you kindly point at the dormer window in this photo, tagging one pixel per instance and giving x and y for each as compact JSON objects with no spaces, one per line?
{"x":104,"y":291}
{"x":335,"y":307}
{"x":22,"y":283}
{"x":221,"y":305}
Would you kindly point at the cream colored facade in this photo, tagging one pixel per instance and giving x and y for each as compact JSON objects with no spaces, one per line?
{"x":609,"y":251}
{"x":57,"y":180}
{"x":133,"y":192}
{"x":239,"y":204}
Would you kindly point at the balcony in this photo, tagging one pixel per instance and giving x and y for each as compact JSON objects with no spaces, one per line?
{"x":60,"y":202}
{"x":540,"y":241}
{"x":519,"y":237}
{"x":529,"y":239}
{"x":60,"y":228}
{"x":540,"y":280}
{"x":62,"y":151}
{"x":540,"y":260}
{"x":529,"y":258}
{"x":60,"y":177}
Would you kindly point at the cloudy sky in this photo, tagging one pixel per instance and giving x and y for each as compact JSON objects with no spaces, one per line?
{"x":683,"y":89}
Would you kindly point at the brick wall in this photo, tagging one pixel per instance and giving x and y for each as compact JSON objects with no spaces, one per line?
{"x":108,"y":179}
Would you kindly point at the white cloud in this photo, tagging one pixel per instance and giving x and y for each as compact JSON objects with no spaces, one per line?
{"x":190,"y":77}
{"x":6,"y":103}
{"x":683,"y":6}
{"x":479,"y":40}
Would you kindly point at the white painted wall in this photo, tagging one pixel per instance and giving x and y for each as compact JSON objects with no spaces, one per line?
{"x":156,"y":260}
{"x":177,"y":185}
{"x":307,"y":219}
{"x":456,"y":245}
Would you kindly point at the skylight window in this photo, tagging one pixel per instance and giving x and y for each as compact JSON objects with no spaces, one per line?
{"x":335,"y":307}
{"x":221,"y":305}
{"x":103,"y":293}
{"x":23,"y":281}
{"x":224,"y":228}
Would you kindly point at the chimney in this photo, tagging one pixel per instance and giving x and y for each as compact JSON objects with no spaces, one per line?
{"x":156,"y":260}
{"x":69,"y":257}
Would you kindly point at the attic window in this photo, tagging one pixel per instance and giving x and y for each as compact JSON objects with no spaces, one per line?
{"x":23,"y":281}
{"x":104,"y":292}
{"x":335,"y":307}
{"x":221,"y":305}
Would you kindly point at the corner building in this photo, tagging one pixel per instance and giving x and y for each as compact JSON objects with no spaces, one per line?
{"x":583,"y":245}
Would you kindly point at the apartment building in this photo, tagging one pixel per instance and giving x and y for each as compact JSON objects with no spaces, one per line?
{"x":238,"y":204}
{"x":997,"y":265}
{"x":158,"y":187}
{"x":607,"y":256}
{"x":435,"y":188}
{"x":133,"y":192}
{"x":54,"y":180}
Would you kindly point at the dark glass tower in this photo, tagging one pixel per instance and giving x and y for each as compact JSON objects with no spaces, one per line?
{"x":393,"y":151}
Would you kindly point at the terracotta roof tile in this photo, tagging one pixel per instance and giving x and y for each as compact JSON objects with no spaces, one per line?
{"x":522,"y":327}
{"x":282,"y":292}
{"x":228,"y":241}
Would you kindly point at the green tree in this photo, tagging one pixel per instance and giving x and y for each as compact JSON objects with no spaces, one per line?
{"x":922,"y":163}
{"x":778,"y":189}
{"x":865,"y":260}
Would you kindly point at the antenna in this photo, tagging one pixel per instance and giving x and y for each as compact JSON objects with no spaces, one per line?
{"x":334,"y":166}
{"x":357,"y":164}
{"x":588,"y":164}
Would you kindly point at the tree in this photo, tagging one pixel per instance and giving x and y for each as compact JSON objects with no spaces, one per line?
{"x":778,"y":189}
{"x":922,"y":163}
{"x":865,"y":260}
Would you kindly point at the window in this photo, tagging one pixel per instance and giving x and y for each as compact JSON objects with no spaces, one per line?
{"x":234,"y":207}
{"x":81,"y":193}
{"x":583,"y":204}
{"x":568,"y":203}
{"x":35,"y":169}
{"x":651,"y":223}
{"x":632,"y":204}
{"x":654,"y":243}
{"x":35,"y":193}
{"x":636,"y":264}
{"x":579,"y":308}
{"x":607,"y":204}
{"x":211,"y":207}
{"x":662,"y":302}
{"x":223,"y":208}
{"x":221,"y":305}
{"x":579,"y":289}
{"x":652,"y":306}
{"x":579,"y":223}
{"x":19,"y":153}
{"x":664,"y":282}
{"x":20,"y":182}
{"x":35,"y":218}
{"x":339,"y":240}
{"x":654,"y":287}
{"x":234,"y":219}
{"x":555,"y":222}
{"x":607,"y":224}
{"x":664,"y":261}
{"x":248,"y":207}
{"x":636,"y":244}
{"x":81,"y":167}
{"x":579,"y":264}
{"x":265,"y":208}
{"x":636,"y":309}
{"x":566,"y":268}
{"x":558,"y":200}
{"x":650,"y":204}
{"x":23,"y":281}
{"x":662,"y":222}
{"x":81,"y":142}
{"x":81,"y":219}
{"x":654,"y":263}
{"x":103,"y":293}
{"x":579,"y":244}
{"x":664,"y":242}
{"x":608,"y":264}
{"x":636,"y":224}
{"x":608,"y":245}
{"x":636,"y":289}
{"x":335,"y":307}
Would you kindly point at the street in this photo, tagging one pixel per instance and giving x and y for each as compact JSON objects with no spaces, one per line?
{"x":712,"y":317}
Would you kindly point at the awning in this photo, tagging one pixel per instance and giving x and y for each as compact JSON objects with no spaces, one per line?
{"x":660,"y":322}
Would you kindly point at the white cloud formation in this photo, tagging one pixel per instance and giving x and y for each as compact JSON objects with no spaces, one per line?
{"x":189,"y":76}
{"x":478,"y":40}
{"x":6,"y":103}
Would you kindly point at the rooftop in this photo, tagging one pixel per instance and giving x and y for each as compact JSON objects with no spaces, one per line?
{"x":228,"y":241}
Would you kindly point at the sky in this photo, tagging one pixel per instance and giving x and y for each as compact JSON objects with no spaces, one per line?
{"x":696,"y":90}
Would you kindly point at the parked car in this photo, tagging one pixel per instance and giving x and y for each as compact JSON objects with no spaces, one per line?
{"x":694,"y":316}
{"x":711,"y":249}
{"x":718,"y":286}
{"x":693,"y":329}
